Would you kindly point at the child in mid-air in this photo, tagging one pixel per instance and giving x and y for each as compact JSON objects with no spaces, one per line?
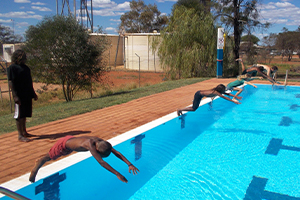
{"x":258,"y":68}
{"x":217,"y":91}
{"x":99,"y":149}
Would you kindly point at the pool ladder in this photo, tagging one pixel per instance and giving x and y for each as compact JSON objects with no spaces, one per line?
{"x":12,"y":194}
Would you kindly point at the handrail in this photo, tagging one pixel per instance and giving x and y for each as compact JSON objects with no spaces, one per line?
{"x":12,"y":194}
{"x":286,"y":76}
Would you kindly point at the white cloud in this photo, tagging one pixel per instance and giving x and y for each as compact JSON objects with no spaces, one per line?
{"x":283,"y":5}
{"x":22,"y":1}
{"x":110,"y":8}
{"x":282,"y":12}
{"x":107,"y":12}
{"x":111,"y":29}
{"x":103,"y":4}
{"x":115,"y":20}
{"x":123,"y":6}
{"x":104,"y":12}
{"x":269,"y":6}
{"x":5,"y":21}
{"x":14,"y":15}
{"x":40,"y":8}
{"x":38,"y":3}
{"x":22,"y":24}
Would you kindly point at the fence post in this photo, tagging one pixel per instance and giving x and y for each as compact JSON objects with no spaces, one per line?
{"x":139,"y":68}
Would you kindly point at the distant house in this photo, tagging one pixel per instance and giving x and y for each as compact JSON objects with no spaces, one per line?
{"x":8,"y":50}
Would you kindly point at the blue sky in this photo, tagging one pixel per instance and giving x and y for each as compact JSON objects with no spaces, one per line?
{"x":19,"y":14}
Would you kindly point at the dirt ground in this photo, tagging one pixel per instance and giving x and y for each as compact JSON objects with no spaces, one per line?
{"x":119,"y":77}
{"x":113,"y":79}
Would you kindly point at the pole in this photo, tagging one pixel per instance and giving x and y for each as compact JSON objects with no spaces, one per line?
{"x":220,"y":45}
{"x":286,"y":76}
{"x":139,"y":69}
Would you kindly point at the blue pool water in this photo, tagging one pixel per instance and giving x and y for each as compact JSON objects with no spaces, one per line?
{"x":221,"y":151}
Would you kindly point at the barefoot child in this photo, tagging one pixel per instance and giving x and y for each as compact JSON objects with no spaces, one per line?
{"x":20,"y":83}
{"x":217,"y":91}
{"x":99,"y":149}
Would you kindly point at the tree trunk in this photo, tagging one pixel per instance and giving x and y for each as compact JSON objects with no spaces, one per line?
{"x":237,"y":36}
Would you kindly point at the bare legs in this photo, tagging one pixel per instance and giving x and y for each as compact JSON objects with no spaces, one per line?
{"x":38,"y":164}
{"x":239,"y":92}
{"x":242,"y":63}
{"x":21,"y":126}
{"x":179,"y":111}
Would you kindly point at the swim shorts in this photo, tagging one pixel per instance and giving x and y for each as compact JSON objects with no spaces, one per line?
{"x":252,"y":73}
{"x":59,"y":148}
{"x":234,"y":84}
{"x":23,"y":110}
{"x":197,"y":99}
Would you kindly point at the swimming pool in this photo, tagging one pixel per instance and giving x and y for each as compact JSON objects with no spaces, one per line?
{"x":223,"y":151}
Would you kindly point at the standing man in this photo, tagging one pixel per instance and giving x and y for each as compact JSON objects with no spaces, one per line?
{"x":20,"y":83}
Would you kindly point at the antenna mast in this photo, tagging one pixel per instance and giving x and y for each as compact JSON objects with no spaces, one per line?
{"x":84,"y":14}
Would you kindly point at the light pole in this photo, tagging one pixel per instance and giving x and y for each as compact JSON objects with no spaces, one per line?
{"x":13,"y":22}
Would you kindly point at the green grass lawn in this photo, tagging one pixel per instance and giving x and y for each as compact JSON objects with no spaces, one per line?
{"x":61,"y":110}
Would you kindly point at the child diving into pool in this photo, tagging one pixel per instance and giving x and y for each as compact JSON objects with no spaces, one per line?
{"x":99,"y":149}
{"x":261,"y":69}
{"x":217,"y":91}
{"x":242,"y":79}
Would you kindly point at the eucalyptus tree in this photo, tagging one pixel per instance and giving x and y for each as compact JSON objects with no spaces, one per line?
{"x":60,"y":51}
{"x":187,"y":47}
{"x":288,"y":42}
{"x":242,"y":16}
{"x":198,"y":5}
{"x":142,"y":18}
{"x":7,"y":36}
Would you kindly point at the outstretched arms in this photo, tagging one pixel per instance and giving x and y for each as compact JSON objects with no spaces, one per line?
{"x":120,"y":156}
{"x":228,"y":99}
{"x":104,"y":164}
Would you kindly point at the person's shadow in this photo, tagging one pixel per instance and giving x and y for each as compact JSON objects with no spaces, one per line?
{"x":58,"y":135}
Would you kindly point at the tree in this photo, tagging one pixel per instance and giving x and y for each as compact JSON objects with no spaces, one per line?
{"x":7,"y":36}
{"x":188,"y":44}
{"x":269,"y":52}
{"x":250,"y":38}
{"x":142,"y":18}
{"x":60,"y":50}
{"x":198,"y":5}
{"x":243,"y":16}
{"x":288,"y":42}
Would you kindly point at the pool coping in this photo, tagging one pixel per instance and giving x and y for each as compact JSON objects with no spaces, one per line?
{"x":22,"y":181}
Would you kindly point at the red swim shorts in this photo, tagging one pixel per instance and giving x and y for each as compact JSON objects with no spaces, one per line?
{"x":59,"y":148}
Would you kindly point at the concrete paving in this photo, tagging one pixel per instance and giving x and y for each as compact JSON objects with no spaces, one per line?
{"x":17,"y":158}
